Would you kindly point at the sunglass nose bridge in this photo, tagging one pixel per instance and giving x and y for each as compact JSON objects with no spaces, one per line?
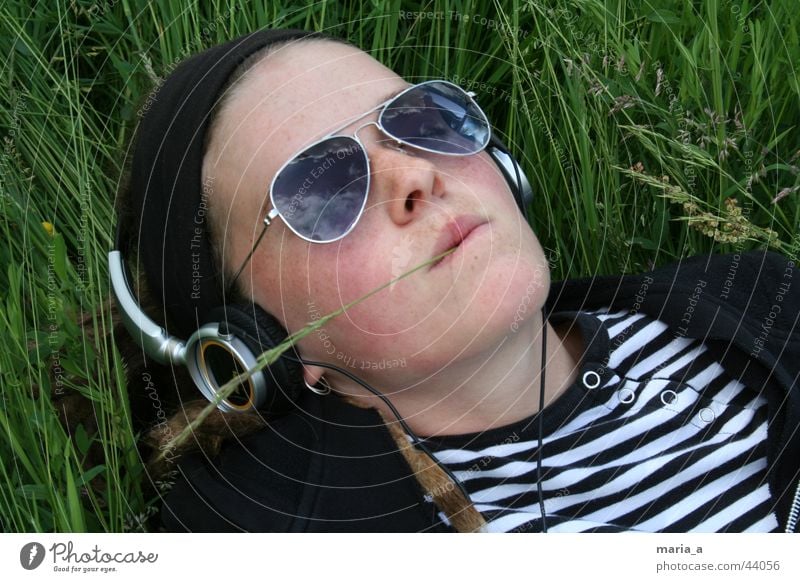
{"x":398,"y":145}
{"x":365,"y":124}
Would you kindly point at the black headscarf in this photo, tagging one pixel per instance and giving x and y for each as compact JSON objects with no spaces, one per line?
{"x":166,"y":210}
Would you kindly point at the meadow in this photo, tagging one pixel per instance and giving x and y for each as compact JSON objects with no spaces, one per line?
{"x":650,"y":130}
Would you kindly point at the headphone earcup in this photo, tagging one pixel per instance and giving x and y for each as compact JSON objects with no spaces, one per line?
{"x":259,"y":331}
{"x":517,"y":180}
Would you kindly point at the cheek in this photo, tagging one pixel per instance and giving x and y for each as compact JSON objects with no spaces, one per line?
{"x":480,"y":177}
{"x":332,"y":276}
{"x":349,"y":269}
{"x":379,"y":327}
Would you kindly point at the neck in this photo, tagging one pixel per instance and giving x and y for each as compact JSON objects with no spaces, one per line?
{"x":498,"y":387}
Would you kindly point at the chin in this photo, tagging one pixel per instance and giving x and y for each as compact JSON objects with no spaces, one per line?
{"x":506,"y":296}
{"x":508,"y":280}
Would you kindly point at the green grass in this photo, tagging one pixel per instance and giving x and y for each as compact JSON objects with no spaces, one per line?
{"x":636,"y":122}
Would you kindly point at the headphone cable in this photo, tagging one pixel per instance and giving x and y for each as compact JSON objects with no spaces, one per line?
{"x":417,"y":441}
{"x":541,"y":425}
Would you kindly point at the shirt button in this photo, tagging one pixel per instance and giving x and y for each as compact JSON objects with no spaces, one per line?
{"x":591,"y":379}
{"x":668,"y":397}
{"x":626,"y":395}
{"x":707,"y":415}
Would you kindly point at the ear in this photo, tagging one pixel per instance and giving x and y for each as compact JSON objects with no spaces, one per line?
{"x":312,"y":374}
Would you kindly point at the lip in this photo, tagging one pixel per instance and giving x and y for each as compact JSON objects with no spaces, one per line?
{"x":454,"y":233}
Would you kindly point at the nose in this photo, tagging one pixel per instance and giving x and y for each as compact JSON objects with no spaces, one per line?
{"x":404,"y":181}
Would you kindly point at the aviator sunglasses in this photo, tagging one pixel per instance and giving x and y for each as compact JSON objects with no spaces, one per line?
{"x":321,"y":191}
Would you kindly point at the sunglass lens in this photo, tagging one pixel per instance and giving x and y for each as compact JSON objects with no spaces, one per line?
{"x":437,"y":116}
{"x":322,"y":191}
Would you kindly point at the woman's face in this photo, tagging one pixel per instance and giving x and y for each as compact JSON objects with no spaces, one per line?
{"x":459,"y":309}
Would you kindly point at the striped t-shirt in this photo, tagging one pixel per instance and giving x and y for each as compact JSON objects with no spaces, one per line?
{"x":653,"y":436}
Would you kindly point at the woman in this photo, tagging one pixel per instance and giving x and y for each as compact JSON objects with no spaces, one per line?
{"x":624,"y":403}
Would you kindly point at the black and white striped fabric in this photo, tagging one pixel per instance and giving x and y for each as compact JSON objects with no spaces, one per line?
{"x":654,"y":436}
